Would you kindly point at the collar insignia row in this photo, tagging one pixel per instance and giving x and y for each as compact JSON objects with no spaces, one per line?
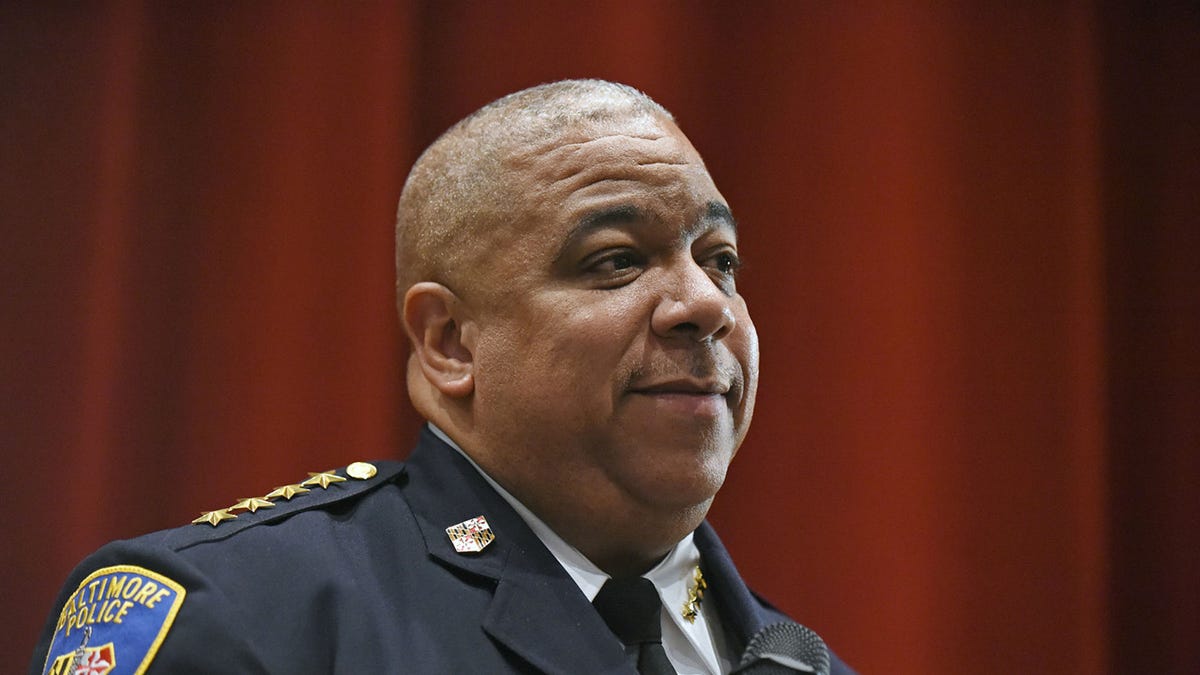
{"x":322,"y":479}
{"x":691,"y":606}
{"x":471,"y":536}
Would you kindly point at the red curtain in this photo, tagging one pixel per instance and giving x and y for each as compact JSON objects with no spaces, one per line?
{"x":972,"y":234}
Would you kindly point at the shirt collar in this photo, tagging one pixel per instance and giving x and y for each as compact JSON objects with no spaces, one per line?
{"x":672,"y":578}
{"x":586,"y":575}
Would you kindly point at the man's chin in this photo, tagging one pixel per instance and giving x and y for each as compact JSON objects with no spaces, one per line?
{"x":684,"y":485}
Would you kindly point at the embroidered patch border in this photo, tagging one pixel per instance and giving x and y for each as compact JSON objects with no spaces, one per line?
{"x":127,"y":607}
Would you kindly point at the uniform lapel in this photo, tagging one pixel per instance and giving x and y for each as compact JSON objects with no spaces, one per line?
{"x":742,"y":614}
{"x":548,"y":621}
{"x":537,"y":610}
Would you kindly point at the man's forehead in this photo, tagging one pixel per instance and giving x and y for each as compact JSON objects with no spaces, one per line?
{"x":613,"y":175}
{"x":576,"y":176}
{"x":605,"y":140}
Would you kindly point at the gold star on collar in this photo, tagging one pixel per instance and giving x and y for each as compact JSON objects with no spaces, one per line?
{"x":251,"y":504}
{"x":324,"y":479}
{"x":214,"y":517}
{"x":691,"y":606}
{"x":286,"y":492}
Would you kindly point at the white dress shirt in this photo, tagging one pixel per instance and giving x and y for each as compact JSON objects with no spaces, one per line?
{"x":694,"y":648}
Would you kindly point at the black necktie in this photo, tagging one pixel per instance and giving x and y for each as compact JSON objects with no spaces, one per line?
{"x":632,"y":610}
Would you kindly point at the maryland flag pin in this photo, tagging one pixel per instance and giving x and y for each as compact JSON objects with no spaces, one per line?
{"x":471,"y":536}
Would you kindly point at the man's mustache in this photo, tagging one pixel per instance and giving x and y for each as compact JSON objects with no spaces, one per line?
{"x":700,"y":365}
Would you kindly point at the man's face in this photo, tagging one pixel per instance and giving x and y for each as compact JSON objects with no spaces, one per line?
{"x":615,"y":358}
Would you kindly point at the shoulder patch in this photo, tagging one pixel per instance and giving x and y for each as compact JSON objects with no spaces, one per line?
{"x":114,"y":623}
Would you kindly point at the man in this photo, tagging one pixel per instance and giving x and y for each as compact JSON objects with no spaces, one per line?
{"x":567,"y":272}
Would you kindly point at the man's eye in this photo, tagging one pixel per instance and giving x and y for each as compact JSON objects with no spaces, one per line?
{"x":727,"y":263}
{"x":615,"y":262}
{"x":621,"y":261}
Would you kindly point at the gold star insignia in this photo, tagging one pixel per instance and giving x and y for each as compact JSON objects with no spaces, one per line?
{"x":251,"y":504}
{"x":324,"y":479}
{"x":286,"y":492}
{"x":691,"y":606}
{"x":214,"y":517}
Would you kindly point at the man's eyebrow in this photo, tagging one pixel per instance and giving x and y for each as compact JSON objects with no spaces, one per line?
{"x":626,"y":214}
{"x":719,"y":211}
{"x":622,"y":214}
{"x":614,"y":215}
{"x":715,"y":213}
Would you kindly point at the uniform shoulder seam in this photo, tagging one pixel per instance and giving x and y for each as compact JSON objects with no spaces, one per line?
{"x":320,"y":490}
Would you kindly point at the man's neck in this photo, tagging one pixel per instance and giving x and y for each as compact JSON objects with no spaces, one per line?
{"x":613,"y":542}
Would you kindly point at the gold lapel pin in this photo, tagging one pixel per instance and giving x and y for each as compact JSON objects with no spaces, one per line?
{"x":691,"y":606}
{"x":471,"y":536}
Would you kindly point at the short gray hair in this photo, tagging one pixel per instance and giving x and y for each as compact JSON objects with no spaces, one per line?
{"x":458,"y":184}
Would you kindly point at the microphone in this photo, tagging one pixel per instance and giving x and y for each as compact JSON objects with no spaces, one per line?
{"x":784,"y":648}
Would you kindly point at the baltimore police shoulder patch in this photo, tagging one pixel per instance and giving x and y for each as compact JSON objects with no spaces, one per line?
{"x":114,"y":623}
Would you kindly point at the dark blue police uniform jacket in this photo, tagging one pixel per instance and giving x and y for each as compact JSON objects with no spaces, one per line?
{"x":360,"y":576}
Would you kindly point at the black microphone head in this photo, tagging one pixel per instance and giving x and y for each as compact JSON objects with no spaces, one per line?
{"x":785,"y":647}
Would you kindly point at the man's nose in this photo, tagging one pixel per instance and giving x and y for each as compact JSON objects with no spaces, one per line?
{"x":693,"y":306}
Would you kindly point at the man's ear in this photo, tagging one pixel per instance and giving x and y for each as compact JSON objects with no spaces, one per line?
{"x":442,"y":337}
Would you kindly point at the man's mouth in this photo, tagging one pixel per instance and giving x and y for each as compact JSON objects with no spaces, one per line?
{"x":686,"y":386}
{"x":692,"y":397}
